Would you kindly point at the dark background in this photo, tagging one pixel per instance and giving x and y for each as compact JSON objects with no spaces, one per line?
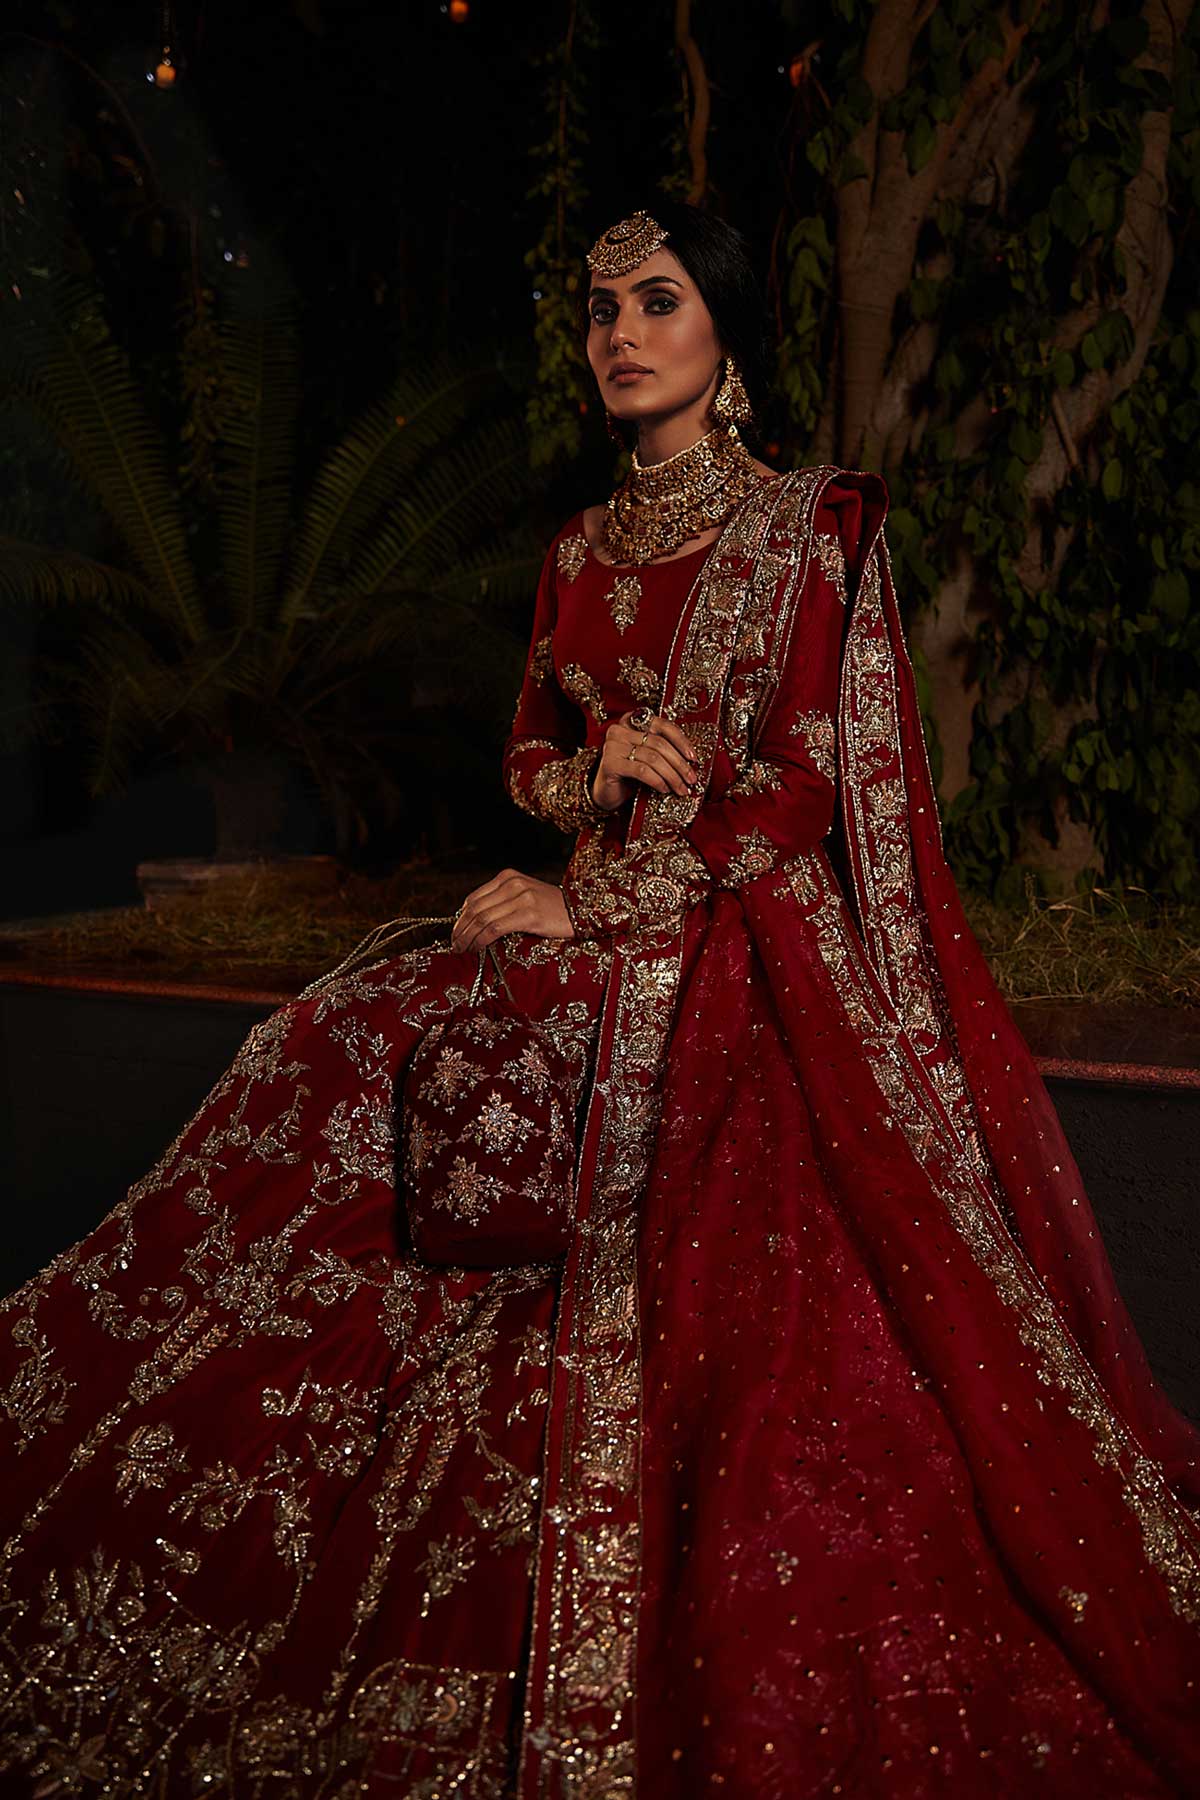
{"x":384,"y":159}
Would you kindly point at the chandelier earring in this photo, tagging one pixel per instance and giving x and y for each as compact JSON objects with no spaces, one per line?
{"x":614,"y":431}
{"x":732,"y":404}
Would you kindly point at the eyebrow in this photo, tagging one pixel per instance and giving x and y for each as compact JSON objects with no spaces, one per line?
{"x":648,"y":281}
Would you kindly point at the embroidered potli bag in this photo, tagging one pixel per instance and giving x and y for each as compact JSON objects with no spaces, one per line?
{"x":485,"y":1141}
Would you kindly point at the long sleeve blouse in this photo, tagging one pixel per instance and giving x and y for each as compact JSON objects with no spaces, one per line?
{"x":600,"y":644}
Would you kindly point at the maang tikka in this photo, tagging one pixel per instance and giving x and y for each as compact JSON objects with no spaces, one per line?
{"x":626,"y":244}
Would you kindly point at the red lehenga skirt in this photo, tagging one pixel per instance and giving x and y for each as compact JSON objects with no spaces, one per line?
{"x":827,"y":1464}
{"x":275,"y":1496}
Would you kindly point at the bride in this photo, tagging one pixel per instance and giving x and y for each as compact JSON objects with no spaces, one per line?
{"x":824,"y":1459}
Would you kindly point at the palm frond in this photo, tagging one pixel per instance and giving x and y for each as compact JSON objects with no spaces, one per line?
{"x":33,"y":572}
{"x":257,"y":409}
{"x":501,"y":569}
{"x":81,"y":381}
{"x":421,"y":408}
{"x":120,"y":691}
{"x":481,"y":477}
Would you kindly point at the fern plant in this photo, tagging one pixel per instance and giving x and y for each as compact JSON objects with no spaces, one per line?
{"x":239,"y":621}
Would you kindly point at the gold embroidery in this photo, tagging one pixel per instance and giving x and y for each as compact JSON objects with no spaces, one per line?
{"x":624,"y":597}
{"x":562,"y":790}
{"x":649,"y":890}
{"x":584,"y":689}
{"x":572,"y":554}
{"x":881,"y":852}
{"x":577,"y":1731}
{"x":828,"y":552}
{"x":36,"y":1397}
{"x":643,"y":682}
{"x":541,"y":661}
{"x":758,"y":777}
{"x":1168,"y":1531}
{"x":755,"y":854}
{"x":815,"y":731}
{"x":147,"y":1458}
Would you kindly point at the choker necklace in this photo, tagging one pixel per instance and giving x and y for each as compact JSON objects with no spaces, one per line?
{"x":657,"y":509}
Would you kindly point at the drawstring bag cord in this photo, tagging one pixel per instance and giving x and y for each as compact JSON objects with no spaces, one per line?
{"x":382,"y":936}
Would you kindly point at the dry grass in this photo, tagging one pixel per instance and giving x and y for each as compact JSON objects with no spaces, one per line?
{"x":1104,"y":946}
{"x":254,"y":924}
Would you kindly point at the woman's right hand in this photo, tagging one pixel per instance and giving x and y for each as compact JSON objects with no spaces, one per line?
{"x":664,"y":760}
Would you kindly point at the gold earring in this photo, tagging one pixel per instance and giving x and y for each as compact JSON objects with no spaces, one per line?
{"x":732,"y":404}
{"x":614,"y":430}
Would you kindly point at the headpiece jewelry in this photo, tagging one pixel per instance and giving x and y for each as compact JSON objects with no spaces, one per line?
{"x":624,"y":245}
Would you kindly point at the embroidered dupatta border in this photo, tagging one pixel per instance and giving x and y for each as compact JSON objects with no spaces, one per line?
{"x":579,"y":1737}
{"x":890,"y":986}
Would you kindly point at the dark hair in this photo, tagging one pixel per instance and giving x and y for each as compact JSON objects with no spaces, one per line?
{"x":716,"y":257}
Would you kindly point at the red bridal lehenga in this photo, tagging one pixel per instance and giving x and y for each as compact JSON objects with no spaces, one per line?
{"x":828,"y":1464}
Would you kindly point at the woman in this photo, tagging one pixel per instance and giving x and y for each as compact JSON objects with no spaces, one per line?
{"x":828,"y":1462}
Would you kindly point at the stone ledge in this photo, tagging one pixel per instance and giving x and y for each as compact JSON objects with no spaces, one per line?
{"x":1109,"y":1045}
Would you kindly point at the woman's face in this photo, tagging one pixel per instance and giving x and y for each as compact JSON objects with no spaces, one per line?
{"x":651,"y":341}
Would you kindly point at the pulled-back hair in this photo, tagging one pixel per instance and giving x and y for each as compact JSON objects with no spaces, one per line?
{"x":716,"y":257}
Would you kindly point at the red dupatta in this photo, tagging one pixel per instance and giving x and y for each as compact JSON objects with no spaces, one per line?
{"x":942,"y":1147}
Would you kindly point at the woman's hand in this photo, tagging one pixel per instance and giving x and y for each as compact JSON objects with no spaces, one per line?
{"x":663,"y":759}
{"x":508,"y":902}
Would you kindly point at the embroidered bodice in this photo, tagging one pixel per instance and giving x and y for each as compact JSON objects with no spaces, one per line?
{"x":601,"y":644}
{"x":614,"y":627}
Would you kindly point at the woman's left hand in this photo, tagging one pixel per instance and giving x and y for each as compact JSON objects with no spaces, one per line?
{"x":508,"y":902}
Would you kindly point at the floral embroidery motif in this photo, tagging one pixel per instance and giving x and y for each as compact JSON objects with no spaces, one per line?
{"x":754,"y":856}
{"x":541,"y":662}
{"x":499,"y":1127}
{"x":816,"y":733}
{"x":646,"y":888}
{"x":624,"y":597}
{"x":561,"y":790}
{"x":572,"y":554}
{"x":584,"y":689}
{"x":828,"y":552}
{"x":643,"y":682}
{"x":147,"y":1458}
{"x":758,"y":777}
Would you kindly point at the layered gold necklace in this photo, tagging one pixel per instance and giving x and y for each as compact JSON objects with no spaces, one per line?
{"x":658,"y":508}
